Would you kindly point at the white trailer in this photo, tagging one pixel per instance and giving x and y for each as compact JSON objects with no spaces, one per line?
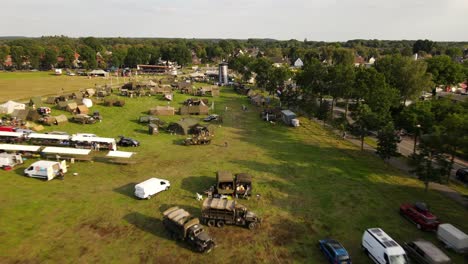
{"x":453,"y":237}
{"x":46,"y":169}
{"x":10,"y":160}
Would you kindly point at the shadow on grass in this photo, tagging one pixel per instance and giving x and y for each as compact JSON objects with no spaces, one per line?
{"x":127,"y":190}
{"x":147,"y":223}
{"x":192,"y":184}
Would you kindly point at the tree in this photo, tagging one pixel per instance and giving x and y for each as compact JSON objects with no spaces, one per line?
{"x":340,"y":81}
{"x":409,"y":77}
{"x":50,"y":58}
{"x":429,"y":163}
{"x":423,"y":45}
{"x":343,"y":56}
{"x":444,"y":70}
{"x":118,"y":57}
{"x":88,"y":57}
{"x":68,"y":55}
{"x":419,"y":113}
{"x":366,"y":120}
{"x":454,"y":52}
{"x":277,"y":77}
{"x":134,"y":57}
{"x":242,"y":65}
{"x":36,"y":53}
{"x":93,"y":43}
{"x":4,"y":52}
{"x":17,"y":55}
{"x":387,"y":142}
{"x":182,"y":54}
{"x":312,"y":80}
{"x":263,"y":68}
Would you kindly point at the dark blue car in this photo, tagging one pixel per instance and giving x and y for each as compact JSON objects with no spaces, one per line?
{"x":334,"y":251}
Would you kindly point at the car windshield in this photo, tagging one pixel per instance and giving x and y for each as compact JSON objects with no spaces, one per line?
{"x":399,"y":259}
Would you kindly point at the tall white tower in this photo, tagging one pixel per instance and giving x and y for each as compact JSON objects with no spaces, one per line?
{"x":223,"y":73}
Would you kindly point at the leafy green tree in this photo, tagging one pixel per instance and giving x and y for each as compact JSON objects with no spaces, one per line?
{"x":277,"y":77}
{"x":366,"y":120}
{"x":419,"y":113}
{"x":17,"y":55}
{"x":343,"y":56}
{"x":4,"y":52}
{"x":387,"y":142}
{"x":68,"y":55}
{"x":453,"y":52}
{"x":182,"y":54}
{"x":423,"y":45}
{"x":340,"y":82}
{"x":36,"y":53}
{"x":50,"y":58}
{"x":242,"y":65}
{"x":263,"y":68}
{"x":313,"y":80}
{"x":429,"y":163}
{"x":118,"y":57}
{"x":88,"y":57}
{"x":94,"y":43}
{"x":409,"y":77}
{"x":444,"y":70}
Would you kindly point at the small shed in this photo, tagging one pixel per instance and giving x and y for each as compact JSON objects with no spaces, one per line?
{"x":82,"y":109}
{"x":71,"y":107}
{"x":36,"y":101}
{"x":61,"y":119}
{"x":162,"y":111}
{"x":184,"y":126}
{"x":287,"y":116}
{"x":153,"y":129}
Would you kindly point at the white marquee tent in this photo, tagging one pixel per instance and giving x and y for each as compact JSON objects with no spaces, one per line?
{"x":10,"y":106}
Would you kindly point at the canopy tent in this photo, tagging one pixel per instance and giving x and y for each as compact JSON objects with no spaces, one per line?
{"x":10,"y":106}
{"x":48,"y":136}
{"x":36,"y":101}
{"x":119,"y":154}
{"x":88,"y":102}
{"x":11,"y":147}
{"x":20,"y":114}
{"x":68,"y":151}
{"x":61,"y":119}
{"x":99,"y":73}
{"x":71,"y":107}
{"x":11,"y":134}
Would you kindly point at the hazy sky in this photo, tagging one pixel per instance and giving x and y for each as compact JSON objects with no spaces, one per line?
{"x":328,"y":20}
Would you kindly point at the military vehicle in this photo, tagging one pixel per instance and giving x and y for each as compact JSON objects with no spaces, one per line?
{"x":218,"y":212}
{"x":83,"y":119}
{"x":227,"y":184}
{"x":201,"y":136}
{"x":182,"y":226}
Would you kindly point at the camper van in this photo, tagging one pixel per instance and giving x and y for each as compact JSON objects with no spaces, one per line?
{"x":381,"y":248}
{"x":150,"y":187}
{"x":46,"y":169}
{"x":453,"y":238}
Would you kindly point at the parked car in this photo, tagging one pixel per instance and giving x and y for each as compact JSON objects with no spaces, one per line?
{"x":424,"y":252}
{"x":210,"y":118}
{"x":381,"y":248}
{"x":150,"y":187}
{"x":128,"y":142}
{"x":462,"y":175}
{"x":334,"y":251}
{"x":419,"y":214}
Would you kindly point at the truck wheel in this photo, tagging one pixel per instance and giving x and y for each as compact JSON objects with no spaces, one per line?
{"x":220,"y":224}
{"x":252,"y":225}
{"x":211,"y":223}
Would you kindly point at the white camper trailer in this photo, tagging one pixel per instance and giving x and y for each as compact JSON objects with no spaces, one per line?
{"x":10,"y":160}
{"x":453,"y":237}
{"x":46,"y":169}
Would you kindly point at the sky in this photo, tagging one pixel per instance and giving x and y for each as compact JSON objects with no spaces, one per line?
{"x":318,"y":20}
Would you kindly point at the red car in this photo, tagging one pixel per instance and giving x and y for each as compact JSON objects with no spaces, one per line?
{"x":419,"y":214}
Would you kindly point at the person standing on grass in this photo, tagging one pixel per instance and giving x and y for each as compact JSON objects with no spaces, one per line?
{"x":225,"y":144}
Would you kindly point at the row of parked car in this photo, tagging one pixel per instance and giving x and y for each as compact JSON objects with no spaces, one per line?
{"x":381,"y":248}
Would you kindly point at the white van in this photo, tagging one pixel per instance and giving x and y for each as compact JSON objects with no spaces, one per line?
{"x":453,"y":237}
{"x":46,"y":169}
{"x":150,"y":187}
{"x":381,"y":248}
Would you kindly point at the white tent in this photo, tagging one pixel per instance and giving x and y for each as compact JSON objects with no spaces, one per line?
{"x":10,"y":106}
{"x":88,"y":102}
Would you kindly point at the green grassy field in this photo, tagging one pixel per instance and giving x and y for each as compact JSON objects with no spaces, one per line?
{"x":23,"y":85}
{"x":312,"y":185}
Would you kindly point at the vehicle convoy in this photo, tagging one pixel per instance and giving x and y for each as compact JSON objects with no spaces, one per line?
{"x":424,"y":252}
{"x":218,"y":212}
{"x":334,"y":251}
{"x":381,"y":248}
{"x":150,"y":187}
{"x":453,"y":238}
{"x":419,"y":214}
{"x":182,"y":226}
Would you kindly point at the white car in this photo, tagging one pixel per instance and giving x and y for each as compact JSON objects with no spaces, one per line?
{"x":150,"y":187}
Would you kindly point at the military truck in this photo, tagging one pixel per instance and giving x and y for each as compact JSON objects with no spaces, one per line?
{"x":224,"y":183}
{"x":243,"y":185}
{"x":182,"y":226}
{"x":201,"y":136}
{"x":227,"y":184}
{"x":83,"y":119}
{"x":218,"y":212}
